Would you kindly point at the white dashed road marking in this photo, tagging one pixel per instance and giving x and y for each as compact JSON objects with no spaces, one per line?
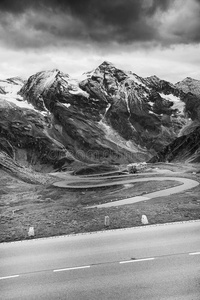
{"x":87,"y":267}
{"x":8,"y":277}
{"x":194,"y":253}
{"x":73,"y":268}
{"x":136,"y":260}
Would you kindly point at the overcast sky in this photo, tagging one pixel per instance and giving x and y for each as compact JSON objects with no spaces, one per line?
{"x":148,"y":37}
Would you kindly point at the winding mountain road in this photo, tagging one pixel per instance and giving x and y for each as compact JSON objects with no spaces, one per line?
{"x":186,"y":184}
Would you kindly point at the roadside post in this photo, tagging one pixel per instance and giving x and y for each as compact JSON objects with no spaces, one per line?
{"x":31,"y":232}
{"x":144,"y":220}
{"x":107,"y":221}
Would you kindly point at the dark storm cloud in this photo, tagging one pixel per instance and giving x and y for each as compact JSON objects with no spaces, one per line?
{"x":17,"y":6}
{"x":118,"y":20}
{"x":157,"y":4}
{"x":36,"y":23}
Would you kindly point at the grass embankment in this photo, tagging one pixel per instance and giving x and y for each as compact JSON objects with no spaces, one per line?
{"x":56,"y":211}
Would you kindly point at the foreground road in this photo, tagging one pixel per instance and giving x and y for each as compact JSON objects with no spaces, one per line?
{"x":153,"y":262}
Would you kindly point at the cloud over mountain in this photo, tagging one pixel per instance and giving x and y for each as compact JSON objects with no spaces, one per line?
{"x":40,"y":23}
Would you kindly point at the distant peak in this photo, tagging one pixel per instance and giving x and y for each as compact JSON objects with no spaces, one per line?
{"x":154,"y":77}
{"x":49,"y":71}
{"x":189,"y":79}
{"x":106,"y":64}
{"x":16,"y":80}
{"x":55,"y":70}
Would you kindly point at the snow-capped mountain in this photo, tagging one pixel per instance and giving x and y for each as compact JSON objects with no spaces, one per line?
{"x":12,"y":85}
{"x":187,"y":146}
{"x":26,"y":133}
{"x":40,"y":83}
{"x":106,"y":116}
{"x":138,"y":109}
{"x":191,"y":87}
{"x":76,"y":115}
{"x":9,"y":89}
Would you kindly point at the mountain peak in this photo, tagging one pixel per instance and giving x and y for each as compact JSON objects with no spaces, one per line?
{"x":188,"y":79}
{"x":55,"y":70}
{"x":154,"y":77}
{"x":106,"y":63}
{"x":189,"y":85}
{"x":16,"y":79}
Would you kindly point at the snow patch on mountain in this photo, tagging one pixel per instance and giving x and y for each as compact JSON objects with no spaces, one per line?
{"x":170,"y":97}
{"x":17,"y":101}
{"x":135,"y":78}
{"x":153,"y":113}
{"x":74,"y":89}
{"x":107,"y":108}
{"x":50,"y":78}
{"x":67,"y":105}
{"x":11,"y":87}
{"x":114,"y":137}
{"x":178,"y":104}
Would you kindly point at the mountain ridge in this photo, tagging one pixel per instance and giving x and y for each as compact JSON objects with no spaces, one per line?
{"x":108,"y":116}
{"x":189,"y":84}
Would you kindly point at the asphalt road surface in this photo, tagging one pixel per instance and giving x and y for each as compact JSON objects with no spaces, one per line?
{"x":186,"y":184}
{"x":152,"y":262}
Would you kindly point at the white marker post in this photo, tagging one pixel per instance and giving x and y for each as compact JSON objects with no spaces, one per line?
{"x":107,"y":221}
{"x":31,"y":232}
{"x":144,"y":220}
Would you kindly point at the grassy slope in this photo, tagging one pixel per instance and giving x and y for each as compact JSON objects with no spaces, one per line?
{"x":56,"y":211}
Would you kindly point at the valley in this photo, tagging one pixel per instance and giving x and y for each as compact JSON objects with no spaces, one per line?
{"x":86,"y":133}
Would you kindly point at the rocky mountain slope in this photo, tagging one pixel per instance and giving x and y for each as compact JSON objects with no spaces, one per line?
{"x":53,"y":121}
{"x":76,"y":115}
{"x":109,"y":108}
{"x":192,"y":102}
{"x":189,"y":85}
{"x":25,"y":133}
{"x":146,"y":110}
{"x":185,"y":148}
